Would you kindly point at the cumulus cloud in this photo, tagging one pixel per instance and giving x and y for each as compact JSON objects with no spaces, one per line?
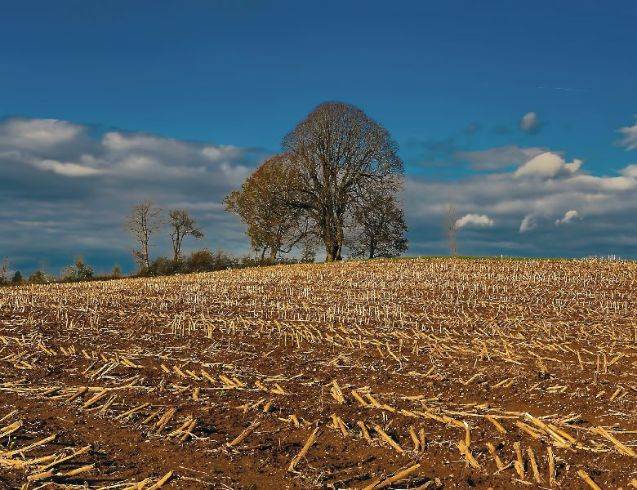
{"x":35,"y":134}
{"x":499,"y":157}
{"x":217,"y":153}
{"x":548,"y":165}
{"x":68,"y":169}
{"x":63,"y":148}
{"x":630,"y":171}
{"x":629,"y":137}
{"x":528,"y":223}
{"x":568,"y":217}
{"x":530,"y":123}
{"x":474,"y":220}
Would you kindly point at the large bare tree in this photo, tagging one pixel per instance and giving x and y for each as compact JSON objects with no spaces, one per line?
{"x":262,"y":204}
{"x":339,"y":153}
{"x":181,"y":225}
{"x":144,"y":220}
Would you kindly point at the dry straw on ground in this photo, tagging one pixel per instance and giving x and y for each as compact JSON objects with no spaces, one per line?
{"x":414,"y":373}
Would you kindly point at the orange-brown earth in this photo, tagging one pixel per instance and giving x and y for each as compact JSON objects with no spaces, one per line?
{"x":415,"y":373}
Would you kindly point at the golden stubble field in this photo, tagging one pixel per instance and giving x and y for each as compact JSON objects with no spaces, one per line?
{"x":414,"y":373}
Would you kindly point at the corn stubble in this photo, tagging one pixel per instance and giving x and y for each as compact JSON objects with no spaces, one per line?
{"x":416,"y":373}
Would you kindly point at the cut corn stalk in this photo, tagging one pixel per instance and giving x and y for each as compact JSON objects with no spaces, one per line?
{"x":387,"y":438}
{"x":399,"y":476}
{"x":498,"y":462}
{"x":306,"y":447}
{"x":464,"y":450}
{"x":244,"y":433}
{"x":589,"y":481}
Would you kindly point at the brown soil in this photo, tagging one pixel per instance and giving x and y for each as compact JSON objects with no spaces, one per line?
{"x":538,"y":357}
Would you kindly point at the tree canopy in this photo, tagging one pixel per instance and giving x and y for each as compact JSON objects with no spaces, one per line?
{"x":335,"y":182}
{"x":263,"y":204}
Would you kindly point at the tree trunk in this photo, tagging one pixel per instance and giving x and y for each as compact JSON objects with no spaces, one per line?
{"x":338,"y":252}
{"x":332,"y":251}
{"x":176,"y":251}
{"x":146,"y":255}
{"x":453,"y":246}
{"x":372,"y":249}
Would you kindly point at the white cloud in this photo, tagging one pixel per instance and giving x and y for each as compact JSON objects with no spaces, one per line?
{"x":530,"y":123}
{"x":37,"y":133}
{"x":548,"y":165}
{"x":118,"y":141}
{"x":474,"y":220}
{"x":610,"y":184}
{"x":499,"y":157}
{"x":198,"y":206}
{"x":136,"y":164}
{"x":629,"y":139}
{"x":528,"y":223}
{"x":67,"y":169}
{"x":630,"y":171}
{"x":568,"y":217}
{"x":69,"y":150}
{"x":221,"y":152}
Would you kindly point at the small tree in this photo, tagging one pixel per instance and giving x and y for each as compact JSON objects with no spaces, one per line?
{"x":451,"y":229}
{"x":39,"y":277}
{"x":17,"y":278}
{"x":4,"y":272}
{"x":379,"y":226}
{"x":117,"y":271}
{"x":262,"y":203}
{"x":80,"y":271}
{"x":143,"y":221}
{"x":181,"y":226}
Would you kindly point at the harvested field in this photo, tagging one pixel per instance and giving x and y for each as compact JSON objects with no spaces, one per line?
{"x":415,"y":373}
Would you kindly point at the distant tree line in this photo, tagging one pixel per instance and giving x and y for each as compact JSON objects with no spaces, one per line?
{"x":146,"y":221}
{"x":79,"y":271}
{"x":198,"y":261}
{"x":6,"y":278}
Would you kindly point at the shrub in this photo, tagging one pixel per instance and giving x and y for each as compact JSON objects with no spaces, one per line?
{"x":39,"y":277}
{"x":206,"y":261}
{"x":17,"y":278}
{"x":257,"y":262}
{"x":163,"y":266}
{"x":78,"y":272}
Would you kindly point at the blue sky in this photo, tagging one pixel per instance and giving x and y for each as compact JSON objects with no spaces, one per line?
{"x":446,"y":78}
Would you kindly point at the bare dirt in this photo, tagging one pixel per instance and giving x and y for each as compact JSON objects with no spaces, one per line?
{"x":415,"y":373}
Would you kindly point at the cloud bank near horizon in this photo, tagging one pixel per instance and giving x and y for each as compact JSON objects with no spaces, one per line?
{"x":65,"y":189}
{"x":524,"y":210}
